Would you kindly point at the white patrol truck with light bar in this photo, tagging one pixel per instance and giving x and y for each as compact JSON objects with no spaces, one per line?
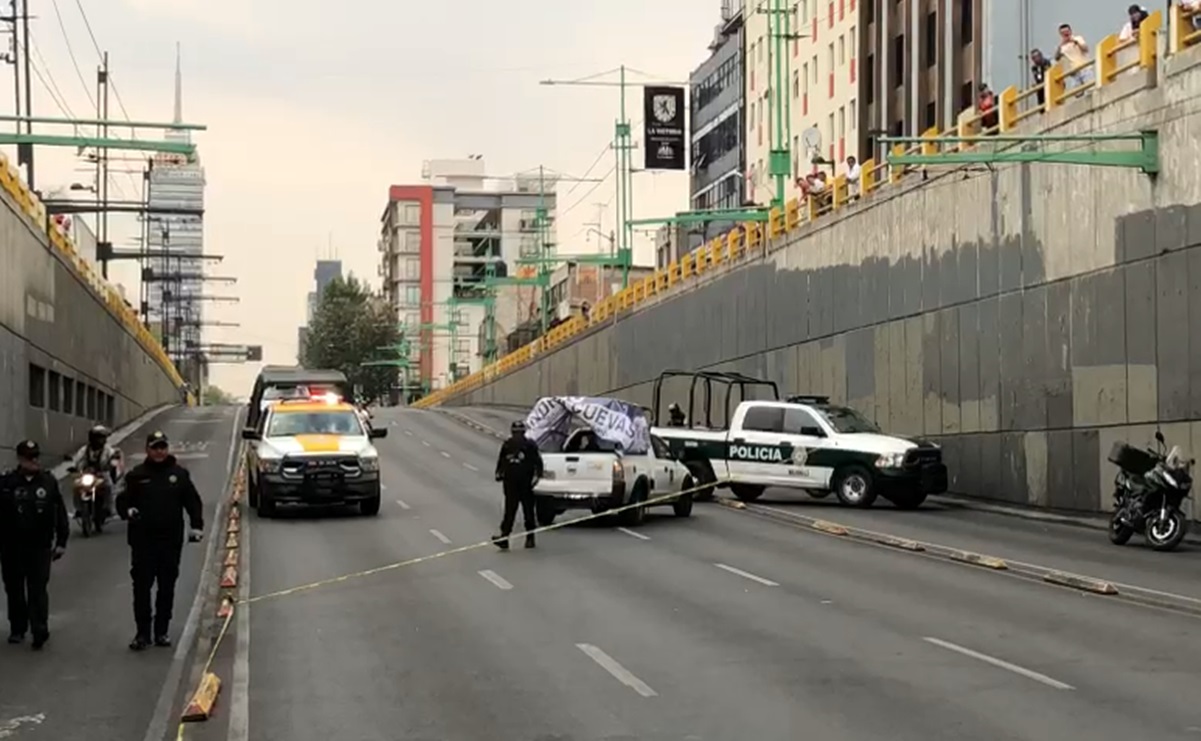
{"x":804,"y":442}
{"x":313,"y":452}
{"x":597,"y":455}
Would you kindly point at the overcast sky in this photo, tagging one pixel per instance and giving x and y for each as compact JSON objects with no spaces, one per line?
{"x":315,"y":108}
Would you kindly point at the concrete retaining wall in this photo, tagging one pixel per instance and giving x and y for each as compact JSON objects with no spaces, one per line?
{"x":55,"y":330}
{"x":1026,"y":316}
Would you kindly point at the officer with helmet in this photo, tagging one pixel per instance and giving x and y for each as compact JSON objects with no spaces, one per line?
{"x":33,"y":532}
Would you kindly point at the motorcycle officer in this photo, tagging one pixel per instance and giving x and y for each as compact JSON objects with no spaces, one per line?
{"x":519,"y":466}
{"x":33,"y":532}
{"x":157,"y":494}
{"x":100,"y":459}
{"x":675,"y":415}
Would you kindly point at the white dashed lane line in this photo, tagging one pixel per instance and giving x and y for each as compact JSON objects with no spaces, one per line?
{"x":402,"y":504}
{"x":999,"y":663}
{"x":445,"y":454}
{"x":438,"y":534}
{"x":496,"y":579}
{"x":619,"y":672}
{"x":746,"y":575}
{"x":633,"y":534}
{"x":470,"y":467}
{"x":426,"y":443}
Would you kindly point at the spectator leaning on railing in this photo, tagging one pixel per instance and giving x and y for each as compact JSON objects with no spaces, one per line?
{"x":1137,"y":14}
{"x":1039,"y":65}
{"x":1074,"y":50}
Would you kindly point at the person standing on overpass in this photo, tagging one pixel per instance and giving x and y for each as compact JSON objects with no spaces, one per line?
{"x":33,"y":532}
{"x":157,"y":494}
{"x":519,"y":466}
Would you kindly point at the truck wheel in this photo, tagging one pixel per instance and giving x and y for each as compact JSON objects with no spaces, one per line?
{"x":370,"y":507}
{"x":252,"y":493}
{"x":747,"y":492}
{"x":908,"y":499}
{"x":266,"y":508}
{"x":703,"y":473}
{"x":682,"y":507}
{"x":635,"y":515}
{"x":854,"y":486}
{"x":545,"y":513}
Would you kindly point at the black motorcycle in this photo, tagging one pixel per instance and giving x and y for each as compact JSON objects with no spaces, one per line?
{"x":1148,"y":492}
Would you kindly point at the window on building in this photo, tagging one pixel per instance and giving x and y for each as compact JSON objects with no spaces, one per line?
{"x":829,"y":138}
{"x":852,"y":114}
{"x":37,"y":386}
{"x":967,"y":23}
{"x":796,"y":84}
{"x":813,"y":66}
{"x":412,"y":321}
{"x":68,"y":395}
{"x":412,"y":269}
{"x":760,"y":53}
{"x":110,"y":410}
{"x":931,"y":38}
{"x":869,"y":10}
{"x":412,"y":214}
{"x":805,"y":79}
{"x":90,"y":411}
{"x":413,"y":295}
{"x":54,"y":390}
{"x":931,"y":115}
{"x":842,"y":51}
{"x":830,"y":57}
{"x":869,"y":76}
{"x":842,"y":122}
{"x":898,"y":60}
{"x":804,"y":11}
{"x":796,"y":156}
{"x":81,"y":398}
{"x":967,"y":97}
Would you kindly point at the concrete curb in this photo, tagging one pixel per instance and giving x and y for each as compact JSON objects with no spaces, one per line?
{"x":118,"y":436}
{"x":1088,"y":584}
{"x":1089,"y":522}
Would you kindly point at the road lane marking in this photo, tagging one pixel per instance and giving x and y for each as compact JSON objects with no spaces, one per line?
{"x":746,"y":575}
{"x":426,"y":443}
{"x":633,"y":534}
{"x":409,"y":433}
{"x":999,"y":663}
{"x":438,"y":534}
{"x":496,"y":579}
{"x":402,"y":504}
{"x":445,"y":454}
{"x":470,"y":467}
{"x":619,"y":672}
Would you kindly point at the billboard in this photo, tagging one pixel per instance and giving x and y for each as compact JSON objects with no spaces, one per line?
{"x":664,"y":137}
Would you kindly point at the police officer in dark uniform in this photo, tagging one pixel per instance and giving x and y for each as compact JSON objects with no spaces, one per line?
{"x":519,"y":466}
{"x":33,"y":532}
{"x":157,"y":494}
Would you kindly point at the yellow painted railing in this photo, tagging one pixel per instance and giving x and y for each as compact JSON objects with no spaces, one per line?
{"x":35,"y":211}
{"x":1113,"y":58}
{"x":1182,"y":33}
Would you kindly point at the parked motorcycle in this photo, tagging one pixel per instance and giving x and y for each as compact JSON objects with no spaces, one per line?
{"x":91,"y":511}
{"x":1148,"y":493}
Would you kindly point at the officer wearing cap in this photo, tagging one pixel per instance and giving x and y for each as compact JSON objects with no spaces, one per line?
{"x":519,"y":466}
{"x":158,"y":492}
{"x":33,"y":532}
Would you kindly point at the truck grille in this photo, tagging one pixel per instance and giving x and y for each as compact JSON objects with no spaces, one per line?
{"x":918,"y":457}
{"x":344,"y":465}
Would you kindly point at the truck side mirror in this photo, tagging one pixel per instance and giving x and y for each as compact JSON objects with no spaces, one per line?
{"x":249,"y":433}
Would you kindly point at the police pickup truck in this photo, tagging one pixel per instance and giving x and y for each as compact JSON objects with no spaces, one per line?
{"x":598,"y":455}
{"x":808,"y":443}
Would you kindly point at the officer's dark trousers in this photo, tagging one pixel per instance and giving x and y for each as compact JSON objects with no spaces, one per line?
{"x":26,"y":578}
{"x":154,"y":562}
{"x":518,"y":495}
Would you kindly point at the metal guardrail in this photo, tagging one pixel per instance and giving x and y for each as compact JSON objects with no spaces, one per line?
{"x":1113,"y":58}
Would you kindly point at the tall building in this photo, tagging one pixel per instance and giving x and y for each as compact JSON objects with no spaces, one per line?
{"x":437,"y":241}
{"x":325,"y":272}
{"x":717,"y":128}
{"x":175,"y":242}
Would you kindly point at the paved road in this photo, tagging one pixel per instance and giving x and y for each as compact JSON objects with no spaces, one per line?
{"x":720,"y":627}
{"x":86,"y":685}
{"x":1072,"y":548}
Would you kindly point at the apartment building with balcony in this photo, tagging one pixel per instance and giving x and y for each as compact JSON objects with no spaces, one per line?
{"x":819,"y":91}
{"x":444,"y":244}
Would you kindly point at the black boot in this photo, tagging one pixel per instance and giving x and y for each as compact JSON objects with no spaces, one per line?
{"x":163,"y":641}
{"x":15,"y":638}
{"x":501,"y":542}
{"x":39,"y":641}
{"x":139,"y":643}
{"x":529,"y":541}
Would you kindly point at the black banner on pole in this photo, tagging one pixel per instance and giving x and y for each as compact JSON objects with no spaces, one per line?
{"x":665,"y":140}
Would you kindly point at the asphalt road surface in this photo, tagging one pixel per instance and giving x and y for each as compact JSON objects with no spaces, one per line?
{"x":721,"y":627}
{"x":86,"y":684}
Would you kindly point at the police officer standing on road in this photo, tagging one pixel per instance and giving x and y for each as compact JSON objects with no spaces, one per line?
{"x":156,"y":495}
{"x":33,"y":532}
{"x":519,"y":466}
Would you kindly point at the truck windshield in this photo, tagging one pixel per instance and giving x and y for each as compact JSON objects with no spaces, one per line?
{"x":847,"y":420}
{"x":290,"y":424}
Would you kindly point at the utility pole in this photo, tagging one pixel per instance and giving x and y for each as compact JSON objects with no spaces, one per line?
{"x":102,"y":158}
{"x":28,"y":87}
{"x":19,"y":57}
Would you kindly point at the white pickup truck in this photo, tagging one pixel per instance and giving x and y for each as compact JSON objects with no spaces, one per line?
{"x":592,"y":474}
{"x":808,"y":443}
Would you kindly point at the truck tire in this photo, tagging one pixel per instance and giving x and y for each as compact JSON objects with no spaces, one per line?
{"x":370,"y":507}
{"x":747,"y":492}
{"x":544,"y":513}
{"x":854,"y":486}
{"x":266,"y":508}
{"x":908,"y":500}
{"x":682,"y":507}
{"x":634,"y":516}
{"x":252,"y":493}
{"x":702,"y":472}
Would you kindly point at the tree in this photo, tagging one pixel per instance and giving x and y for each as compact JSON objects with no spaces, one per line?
{"x":349,"y":328}
{"x":214,"y":396}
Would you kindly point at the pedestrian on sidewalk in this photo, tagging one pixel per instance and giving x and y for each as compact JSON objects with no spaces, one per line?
{"x":33,"y":532}
{"x":157,"y":494}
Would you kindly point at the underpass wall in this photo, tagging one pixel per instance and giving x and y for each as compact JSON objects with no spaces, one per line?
{"x":55,"y":329}
{"x":1025,"y":316}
